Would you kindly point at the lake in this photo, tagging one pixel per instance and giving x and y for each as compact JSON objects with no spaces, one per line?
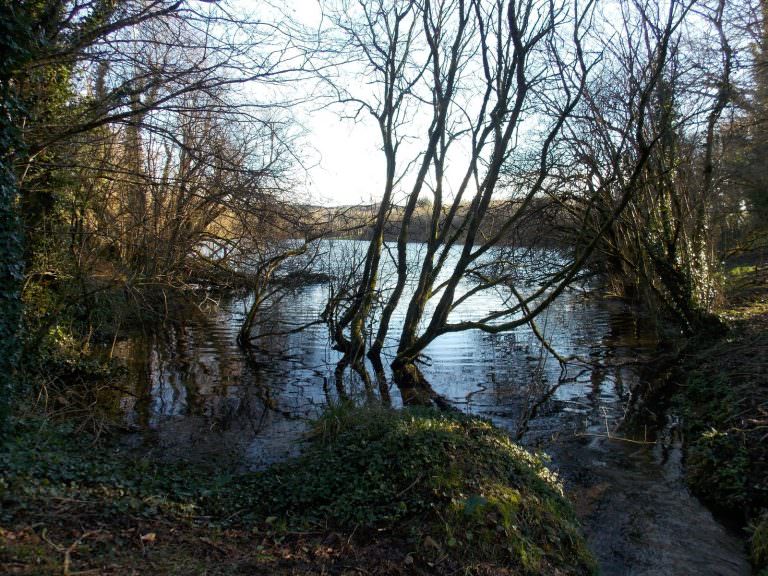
{"x":195,"y":394}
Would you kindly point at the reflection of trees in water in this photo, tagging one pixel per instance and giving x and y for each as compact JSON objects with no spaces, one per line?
{"x":194,"y":387}
{"x":602,"y":338}
{"x":289,"y":331}
{"x":230,"y":400}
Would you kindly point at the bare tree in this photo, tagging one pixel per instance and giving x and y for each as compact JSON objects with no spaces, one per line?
{"x":483,"y":74}
{"x":158,"y":152}
{"x":663,"y":249}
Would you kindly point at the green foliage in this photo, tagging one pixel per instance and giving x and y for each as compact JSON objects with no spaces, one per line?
{"x":362,"y":461}
{"x":28,"y":96}
{"x":718,"y":465}
{"x":42,"y":461}
{"x":16,"y":42}
{"x":455,"y":482}
{"x":17,"y":37}
{"x":11,"y":271}
{"x":717,"y":459}
{"x":722,"y":400}
{"x":39,"y":43}
{"x":740,"y":271}
{"x":454,"y":486}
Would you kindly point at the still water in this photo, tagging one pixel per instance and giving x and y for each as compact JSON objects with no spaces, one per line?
{"x":197,"y":395}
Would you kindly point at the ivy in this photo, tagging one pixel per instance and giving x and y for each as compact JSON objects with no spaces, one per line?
{"x":16,"y":44}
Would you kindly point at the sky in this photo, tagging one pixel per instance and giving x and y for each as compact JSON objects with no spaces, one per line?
{"x":342,"y":161}
{"x":345,"y":163}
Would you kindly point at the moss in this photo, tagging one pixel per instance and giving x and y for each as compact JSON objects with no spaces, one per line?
{"x":456,"y":482}
{"x":450,"y":491}
{"x":740,"y":271}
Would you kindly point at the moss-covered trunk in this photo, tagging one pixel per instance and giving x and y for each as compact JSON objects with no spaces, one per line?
{"x":413,"y":386}
{"x":14,"y":39}
{"x":11,"y":272}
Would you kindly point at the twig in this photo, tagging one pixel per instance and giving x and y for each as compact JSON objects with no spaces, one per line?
{"x":411,"y":485}
{"x":619,"y":438}
{"x":68,"y":551}
{"x":215,"y":546}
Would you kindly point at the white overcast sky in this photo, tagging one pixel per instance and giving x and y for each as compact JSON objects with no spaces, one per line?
{"x":345,"y":163}
{"x":342,"y":159}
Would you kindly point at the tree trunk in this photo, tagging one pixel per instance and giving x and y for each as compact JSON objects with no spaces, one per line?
{"x":414,"y":388}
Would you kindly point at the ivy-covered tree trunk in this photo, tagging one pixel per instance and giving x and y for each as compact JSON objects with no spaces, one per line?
{"x":11,"y":265}
{"x":10,"y":286}
{"x":16,"y":39}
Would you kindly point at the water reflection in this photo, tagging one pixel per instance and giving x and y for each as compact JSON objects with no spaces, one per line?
{"x":198,"y":395}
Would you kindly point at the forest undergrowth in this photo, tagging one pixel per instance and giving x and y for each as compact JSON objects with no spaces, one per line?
{"x":376,"y":492}
{"x":723,"y":397}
